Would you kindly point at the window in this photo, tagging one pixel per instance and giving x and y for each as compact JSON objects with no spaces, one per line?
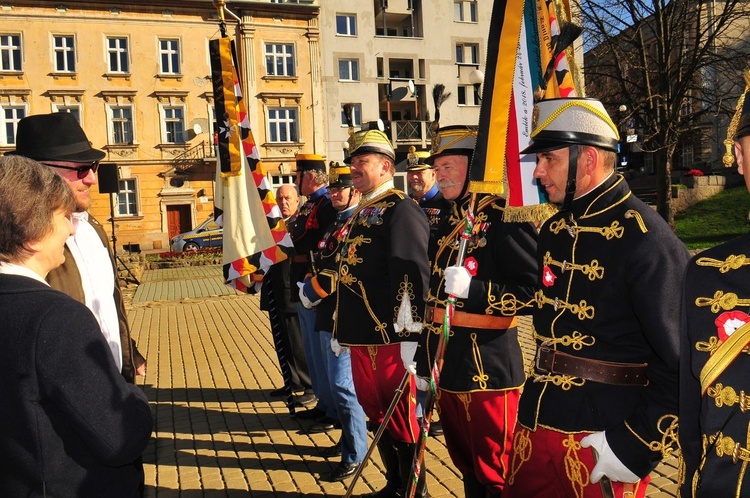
{"x":11,"y":115}
{"x":75,"y":110}
{"x":282,"y":124}
{"x":346,"y":25}
{"x":10,"y":53}
{"x":127,"y":197}
{"x":173,"y":125}
{"x":279,"y":59}
{"x":117,"y":55}
{"x":121,"y":122}
{"x":467,"y":53}
{"x":65,"y":54}
{"x":687,"y":155}
{"x":348,"y":70}
{"x":465,"y":11}
{"x":169,"y":54}
{"x":356,"y":115}
{"x":467,"y":95}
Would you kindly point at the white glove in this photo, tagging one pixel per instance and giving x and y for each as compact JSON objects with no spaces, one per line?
{"x":608,"y":464}
{"x":304,"y":299}
{"x":336,"y":347}
{"x":408,"y":350}
{"x":423,"y":384}
{"x":457,"y":281}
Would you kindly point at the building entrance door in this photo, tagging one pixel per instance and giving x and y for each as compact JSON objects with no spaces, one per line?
{"x":178,"y":219}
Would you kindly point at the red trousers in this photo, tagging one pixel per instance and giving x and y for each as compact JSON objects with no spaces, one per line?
{"x":551,"y":464}
{"x":377,"y":372}
{"x":478,"y":429}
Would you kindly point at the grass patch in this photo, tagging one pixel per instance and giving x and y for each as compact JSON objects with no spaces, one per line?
{"x":722,"y":217}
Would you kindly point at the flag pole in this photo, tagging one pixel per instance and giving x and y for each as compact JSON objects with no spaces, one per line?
{"x":437,"y":365}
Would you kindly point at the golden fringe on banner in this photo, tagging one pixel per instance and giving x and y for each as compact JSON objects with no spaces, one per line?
{"x":538,"y":213}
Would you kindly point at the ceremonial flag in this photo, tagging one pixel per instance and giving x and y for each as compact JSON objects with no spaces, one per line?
{"x":506,"y":117}
{"x":255,"y":236}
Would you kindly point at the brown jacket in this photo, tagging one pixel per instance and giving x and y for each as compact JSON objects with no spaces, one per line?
{"x":67,"y":278}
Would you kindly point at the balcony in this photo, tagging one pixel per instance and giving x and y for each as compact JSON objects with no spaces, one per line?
{"x":409,"y":132}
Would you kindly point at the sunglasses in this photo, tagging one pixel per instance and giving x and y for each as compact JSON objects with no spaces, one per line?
{"x":81,"y":171}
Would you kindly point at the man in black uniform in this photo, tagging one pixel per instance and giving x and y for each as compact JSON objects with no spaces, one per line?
{"x":382,"y":282}
{"x":714,"y":381}
{"x":483,"y":366}
{"x":421,"y":179}
{"x":315,"y":215}
{"x":604,"y":381}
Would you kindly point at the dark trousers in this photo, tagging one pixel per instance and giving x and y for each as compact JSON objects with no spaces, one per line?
{"x":291,"y":335}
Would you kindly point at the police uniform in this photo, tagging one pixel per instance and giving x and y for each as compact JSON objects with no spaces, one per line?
{"x":382,"y":282}
{"x":606,"y":328}
{"x":313,"y":217}
{"x":714,"y":381}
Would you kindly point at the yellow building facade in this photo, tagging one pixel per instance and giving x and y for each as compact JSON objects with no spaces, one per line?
{"x":137,"y":75}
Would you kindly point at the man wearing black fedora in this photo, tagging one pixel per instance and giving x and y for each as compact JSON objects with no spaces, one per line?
{"x":89,"y":272}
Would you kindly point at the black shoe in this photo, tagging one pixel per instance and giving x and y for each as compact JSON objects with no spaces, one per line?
{"x":311,"y":414}
{"x":436,"y":429}
{"x":331,"y":451}
{"x":303,"y":400}
{"x":342,"y":471}
{"x":281,"y":392}
{"x":325,"y":425}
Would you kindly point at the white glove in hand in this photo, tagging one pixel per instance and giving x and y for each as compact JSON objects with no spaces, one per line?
{"x":408,"y":350}
{"x":608,"y":464}
{"x":423,"y":384}
{"x":457,"y":281}
{"x":336,"y":347}
{"x":304,"y":299}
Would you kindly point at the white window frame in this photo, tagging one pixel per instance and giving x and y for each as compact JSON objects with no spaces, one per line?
{"x":278,"y":123}
{"x":351,"y":24}
{"x":168,"y":121}
{"x":283,"y":52}
{"x":67,"y":51}
{"x":75,"y":109}
{"x":13,"y":120}
{"x":460,"y":8}
{"x":113,"y":123}
{"x":471,"y":50}
{"x":467,"y":96}
{"x":356,"y":115}
{"x":9,"y":48}
{"x":121,"y":53}
{"x":131,"y":197}
{"x":173,"y":54}
{"x":351,"y":65}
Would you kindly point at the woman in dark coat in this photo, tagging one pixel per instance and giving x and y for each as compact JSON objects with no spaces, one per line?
{"x":69,"y":423}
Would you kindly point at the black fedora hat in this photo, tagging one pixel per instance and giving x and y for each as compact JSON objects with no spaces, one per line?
{"x":54,"y":137}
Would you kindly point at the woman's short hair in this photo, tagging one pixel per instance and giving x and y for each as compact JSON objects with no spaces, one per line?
{"x":30,"y":194}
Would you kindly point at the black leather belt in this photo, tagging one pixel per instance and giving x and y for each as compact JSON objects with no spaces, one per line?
{"x":606,"y":372}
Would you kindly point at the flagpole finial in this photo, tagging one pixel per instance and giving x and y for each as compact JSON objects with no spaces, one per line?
{"x":219,"y":4}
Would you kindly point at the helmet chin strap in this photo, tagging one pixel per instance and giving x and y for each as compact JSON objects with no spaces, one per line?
{"x":570,"y":186}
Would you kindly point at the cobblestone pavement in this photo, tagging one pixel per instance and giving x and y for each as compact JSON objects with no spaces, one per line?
{"x":211,"y":367}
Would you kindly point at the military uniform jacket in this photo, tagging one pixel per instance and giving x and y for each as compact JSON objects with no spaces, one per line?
{"x":503,"y":256}
{"x":437,"y":208}
{"x":609,"y":290}
{"x":383,"y":271}
{"x":313,"y":218}
{"x":714,"y":380}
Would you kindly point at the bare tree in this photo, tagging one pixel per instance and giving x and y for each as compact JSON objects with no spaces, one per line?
{"x":673,"y":69}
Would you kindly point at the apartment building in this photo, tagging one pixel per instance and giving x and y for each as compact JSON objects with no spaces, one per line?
{"x":384,"y":57}
{"x":137,"y":75}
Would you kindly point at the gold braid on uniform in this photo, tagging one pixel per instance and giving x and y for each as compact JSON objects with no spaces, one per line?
{"x":373,"y":352}
{"x":727,"y":396}
{"x":733,"y":262}
{"x":592,"y":270}
{"x":577,"y":472}
{"x":613,"y":231}
{"x":583,"y":310}
{"x":576,"y":340}
{"x":632,"y":213}
{"x":722,"y":301}
{"x":465,"y":399}
{"x":521,"y":453}
{"x":381,"y":327}
{"x":668,"y":442}
{"x":709,"y":346}
{"x":481,"y":378}
{"x":508,"y":305}
{"x":564,"y":382}
{"x":407,"y":321}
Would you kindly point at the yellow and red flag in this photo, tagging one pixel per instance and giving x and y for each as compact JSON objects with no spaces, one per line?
{"x":255,"y":236}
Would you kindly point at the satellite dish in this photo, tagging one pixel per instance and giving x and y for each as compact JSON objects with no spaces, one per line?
{"x":381,"y":125}
{"x":412,"y":89}
{"x":197,"y":129}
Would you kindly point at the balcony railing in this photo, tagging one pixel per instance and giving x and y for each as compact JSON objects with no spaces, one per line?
{"x":410,"y":132}
{"x":197,"y":153}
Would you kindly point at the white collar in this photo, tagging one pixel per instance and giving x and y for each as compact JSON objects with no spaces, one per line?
{"x":20,"y":270}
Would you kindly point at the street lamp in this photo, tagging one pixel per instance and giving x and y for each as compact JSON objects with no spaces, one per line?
{"x":476,"y":78}
{"x":623,"y":138}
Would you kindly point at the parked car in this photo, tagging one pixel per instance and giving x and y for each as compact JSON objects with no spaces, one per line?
{"x":207,"y":234}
